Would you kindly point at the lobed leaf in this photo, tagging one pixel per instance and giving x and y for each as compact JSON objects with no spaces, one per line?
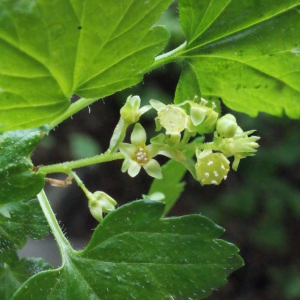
{"x":245,"y":52}
{"x":53,"y":49}
{"x":145,"y":258}
{"x":14,"y":275}
{"x":18,"y":181}
{"x":25,"y":220}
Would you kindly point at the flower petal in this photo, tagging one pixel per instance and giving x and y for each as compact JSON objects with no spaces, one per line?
{"x":125,"y":165}
{"x":134,"y":168}
{"x":153,"y":169}
{"x":127,"y":149}
{"x":153,"y":149}
{"x":138,"y":135}
{"x":198,"y":114}
{"x":144,"y":109}
{"x":157,"y":104}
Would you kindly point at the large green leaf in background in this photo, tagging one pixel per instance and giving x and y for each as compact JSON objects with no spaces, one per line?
{"x":52,"y":49}
{"x":145,"y":258}
{"x":25,"y":220}
{"x":14,"y":275}
{"x":246,"y":52}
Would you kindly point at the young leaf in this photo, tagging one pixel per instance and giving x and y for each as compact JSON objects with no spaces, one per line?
{"x":145,"y":258}
{"x":170,"y":185}
{"x":26,"y":220}
{"x":53,"y":49}
{"x":14,"y":275}
{"x":188,"y":86}
{"x":18,"y":181}
{"x":245,"y":52}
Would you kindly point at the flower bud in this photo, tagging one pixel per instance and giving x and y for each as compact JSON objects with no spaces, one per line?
{"x":100,"y":202}
{"x":227,"y":126}
{"x":131,"y":110}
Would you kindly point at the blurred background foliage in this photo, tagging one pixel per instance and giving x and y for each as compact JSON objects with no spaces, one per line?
{"x":259,"y":205}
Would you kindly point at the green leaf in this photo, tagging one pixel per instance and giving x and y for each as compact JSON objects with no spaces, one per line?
{"x":18,"y":181}
{"x":188,"y":86}
{"x":26,"y":220}
{"x":145,"y":258}
{"x":53,"y":49}
{"x":245,"y":52}
{"x":170,"y":184}
{"x":14,"y":275}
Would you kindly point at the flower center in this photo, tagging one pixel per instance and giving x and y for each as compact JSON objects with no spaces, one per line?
{"x":141,"y":155}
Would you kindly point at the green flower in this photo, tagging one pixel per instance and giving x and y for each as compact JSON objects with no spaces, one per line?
{"x":131,"y":110}
{"x":240,"y":145}
{"x":201,"y":114}
{"x":138,"y":155}
{"x":171,"y":117}
{"x":211,"y":168}
{"x":99,"y":203}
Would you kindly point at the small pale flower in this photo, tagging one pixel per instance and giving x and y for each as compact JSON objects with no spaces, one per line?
{"x":131,"y":110}
{"x":138,"y":155}
{"x":100,"y":203}
{"x":240,"y":145}
{"x":171,"y":117}
{"x":200,"y":113}
{"x":211,"y":168}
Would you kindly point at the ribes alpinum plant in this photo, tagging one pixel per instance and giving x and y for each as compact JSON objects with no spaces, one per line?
{"x":242,"y":54}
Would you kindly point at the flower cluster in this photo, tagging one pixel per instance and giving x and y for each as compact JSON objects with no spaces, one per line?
{"x":181,"y":122}
{"x":232,"y":141}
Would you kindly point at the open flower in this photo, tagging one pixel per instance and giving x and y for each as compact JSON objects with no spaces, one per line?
{"x":211,"y":168}
{"x":171,"y":117}
{"x":138,"y":155}
{"x":131,"y":110}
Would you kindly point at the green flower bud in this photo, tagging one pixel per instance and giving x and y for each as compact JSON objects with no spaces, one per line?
{"x":227,"y":126}
{"x":211,"y":168}
{"x":131,"y":110}
{"x":100,"y":202}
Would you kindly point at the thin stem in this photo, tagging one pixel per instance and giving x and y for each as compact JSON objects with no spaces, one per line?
{"x":62,"y":242}
{"x":81,"y":184}
{"x":73,"y":109}
{"x":166,"y":58}
{"x":66,"y":167}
